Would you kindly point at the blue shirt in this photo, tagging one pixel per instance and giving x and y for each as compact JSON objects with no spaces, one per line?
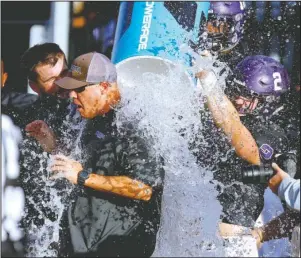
{"x":289,"y":191}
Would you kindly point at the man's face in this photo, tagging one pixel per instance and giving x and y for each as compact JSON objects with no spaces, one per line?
{"x":245,"y":105}
{"x":48,"y":74}
{"x":92,"y":100}
{"x":216,"y":27}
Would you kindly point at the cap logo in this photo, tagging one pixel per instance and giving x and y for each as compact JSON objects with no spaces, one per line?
{"x":76,"y":69}
{"x":266,"y":151}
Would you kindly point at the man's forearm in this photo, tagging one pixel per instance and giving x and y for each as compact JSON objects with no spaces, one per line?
{"x":224,"y":115}
{"x":227,"y":118}
{"x":121,"y":185}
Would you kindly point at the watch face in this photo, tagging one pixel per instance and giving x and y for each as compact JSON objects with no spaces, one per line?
{"x":85,"y":174}
{"x":82,"y":176}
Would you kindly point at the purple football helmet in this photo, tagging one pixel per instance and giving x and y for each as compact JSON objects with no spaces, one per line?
{"x":223,"y":28}
{"x":262,"y":76}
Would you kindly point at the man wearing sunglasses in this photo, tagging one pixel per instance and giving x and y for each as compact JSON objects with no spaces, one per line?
{"x":115,"y":210}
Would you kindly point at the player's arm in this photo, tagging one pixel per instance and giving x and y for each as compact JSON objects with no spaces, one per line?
{"x":227,"y":118}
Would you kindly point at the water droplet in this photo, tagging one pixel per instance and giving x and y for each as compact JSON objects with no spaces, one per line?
{"x":168,"y":114}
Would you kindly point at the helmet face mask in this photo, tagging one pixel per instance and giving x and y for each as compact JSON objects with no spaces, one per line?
{"x":221,"y":32}
{"x":223,"y":28}
{"x":244,"y":100}
{"x":246,"y":106}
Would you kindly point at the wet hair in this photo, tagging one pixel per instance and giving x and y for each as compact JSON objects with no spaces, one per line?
{"x":45,"y":54}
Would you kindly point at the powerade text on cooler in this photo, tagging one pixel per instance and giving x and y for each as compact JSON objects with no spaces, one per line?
{"x":157,"y":29}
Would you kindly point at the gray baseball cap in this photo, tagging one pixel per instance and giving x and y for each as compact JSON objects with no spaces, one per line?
{"x":88,"y":69}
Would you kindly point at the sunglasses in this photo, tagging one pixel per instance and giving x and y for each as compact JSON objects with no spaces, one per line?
{"x":104,"y":85}
{"x":81,"y":89}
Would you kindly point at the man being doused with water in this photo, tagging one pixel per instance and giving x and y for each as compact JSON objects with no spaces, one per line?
{"x":115,"y":208}
{"x":263,"y":80}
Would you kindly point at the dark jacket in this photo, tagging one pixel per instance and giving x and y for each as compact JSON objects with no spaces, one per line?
{"x":104,"y":224}
{"x":17,"y":105}
{"x":17,"y":99}
{"x":24,"y":108}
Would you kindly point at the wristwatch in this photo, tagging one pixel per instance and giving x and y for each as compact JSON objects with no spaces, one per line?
{"x":82,"y":176}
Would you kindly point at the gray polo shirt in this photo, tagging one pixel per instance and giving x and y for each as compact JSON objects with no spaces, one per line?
{"x":95,"y":216}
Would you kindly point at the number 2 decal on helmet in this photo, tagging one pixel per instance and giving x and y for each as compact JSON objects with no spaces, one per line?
{"x":277,"y":79}
{"x":242,"y":5}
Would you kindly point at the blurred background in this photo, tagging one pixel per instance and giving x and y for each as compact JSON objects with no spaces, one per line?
{"x":272,"y":28}
{"x":78,"y":27}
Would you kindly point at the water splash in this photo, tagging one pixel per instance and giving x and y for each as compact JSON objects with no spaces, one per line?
{"x":167,"y":113}
{"x":48,"y":198}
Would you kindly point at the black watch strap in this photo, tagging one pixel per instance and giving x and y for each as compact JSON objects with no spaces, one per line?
{"x":82,"y":176}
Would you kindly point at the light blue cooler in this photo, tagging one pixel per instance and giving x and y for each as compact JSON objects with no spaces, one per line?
{"x":149,"y":35}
